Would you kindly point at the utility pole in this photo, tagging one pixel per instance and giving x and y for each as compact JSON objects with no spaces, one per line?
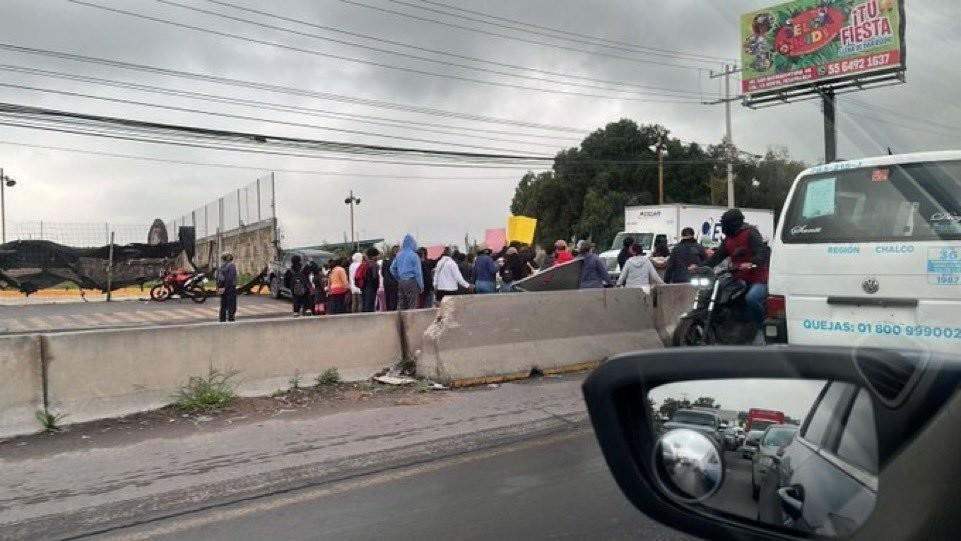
{"x":729,"y":70}
{"x":110,"y":269}
{"x":351,"y":201}
{"x":830,"y":126}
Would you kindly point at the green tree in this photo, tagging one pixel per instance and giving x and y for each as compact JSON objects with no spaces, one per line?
{"x":670,"y":405}
{"x":705,"y":402}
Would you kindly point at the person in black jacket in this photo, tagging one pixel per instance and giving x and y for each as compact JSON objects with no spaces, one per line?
{"x":687,"y":252}
{"x":298,"y":283}
{"x":371,"y":279}
{"x":625,"y":253}
{"x":390,"y":283}
{"x":426,"y":299}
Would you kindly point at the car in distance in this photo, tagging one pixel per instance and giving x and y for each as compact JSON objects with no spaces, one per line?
{"x":775,"y":438}
{"x":751,"y":443}
{"x":702,"y":421}
{"x":282,"y":263}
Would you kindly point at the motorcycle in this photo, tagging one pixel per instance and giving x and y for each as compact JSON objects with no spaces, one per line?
{"x":182,"y":283}
{"x":720,"y":315}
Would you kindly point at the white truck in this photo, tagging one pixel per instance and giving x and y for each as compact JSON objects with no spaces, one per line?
{"x":649,"y":223}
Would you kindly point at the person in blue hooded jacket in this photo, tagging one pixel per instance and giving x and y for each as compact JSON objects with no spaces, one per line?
{"x":406,"y":269}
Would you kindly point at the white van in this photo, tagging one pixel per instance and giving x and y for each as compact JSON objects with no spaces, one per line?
{"x":868,"y":252}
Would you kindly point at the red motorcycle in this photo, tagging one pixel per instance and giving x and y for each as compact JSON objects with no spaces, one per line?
{"x":180,"y":282}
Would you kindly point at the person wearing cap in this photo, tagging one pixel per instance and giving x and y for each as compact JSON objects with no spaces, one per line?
{"x":593,"y":272}
{"x":744,"y":244}
{"x":227,"y":287}
{"x":515,"y":268}
{"x":485,"y":271}
{"x":561,"y":253}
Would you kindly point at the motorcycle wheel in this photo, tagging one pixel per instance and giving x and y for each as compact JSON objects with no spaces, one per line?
{"x":690,"y":332}
{"x":159,"y":293}
{"x":197,"y":294}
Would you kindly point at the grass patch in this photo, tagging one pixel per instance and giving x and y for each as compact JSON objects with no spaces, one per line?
{"x":423,"y":386}
{"x":203,"y":394}
{"x":48,"y":421}
{"x":328,"y":377}
{"x":294,"y":381}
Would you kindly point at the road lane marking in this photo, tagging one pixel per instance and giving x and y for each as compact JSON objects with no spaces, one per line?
{"x":342,"y":487}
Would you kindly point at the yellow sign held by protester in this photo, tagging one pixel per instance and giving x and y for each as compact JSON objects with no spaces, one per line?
{"x":521,"y":229}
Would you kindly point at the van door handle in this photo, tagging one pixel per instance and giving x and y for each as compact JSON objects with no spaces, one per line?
{"x":792,"y":500}
{"x":883,"y":302}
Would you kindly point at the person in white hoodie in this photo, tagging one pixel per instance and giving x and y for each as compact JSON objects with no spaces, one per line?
{"x":638,"y":271}
{"x":447,"y":277}
{"x":355,"y":292}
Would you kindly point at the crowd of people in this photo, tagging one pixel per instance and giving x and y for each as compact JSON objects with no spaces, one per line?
{"x":405,"y":277}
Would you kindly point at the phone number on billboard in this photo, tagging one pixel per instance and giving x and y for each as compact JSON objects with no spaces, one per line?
{"x":882,"y":329}
{"x":860,"y":64}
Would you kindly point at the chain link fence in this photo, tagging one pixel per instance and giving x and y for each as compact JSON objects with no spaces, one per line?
{"x":242,"y":207}
{"x":78,"y":235}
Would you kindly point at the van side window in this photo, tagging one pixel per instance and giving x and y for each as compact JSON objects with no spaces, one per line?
{"x":828,"y":413}
{"x":859,"y":441}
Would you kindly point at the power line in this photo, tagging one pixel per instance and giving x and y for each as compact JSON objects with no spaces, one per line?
{"x":415,"y":47}
{"x":227,"y":81}
{"x":198,"y":137}
{"x":911,"y":118}
{"x":241,"y":117}
{"x":366,"y":62}
{"x":243,"y":167}
{"x":516,"y":38}
{"x":565,"y":34}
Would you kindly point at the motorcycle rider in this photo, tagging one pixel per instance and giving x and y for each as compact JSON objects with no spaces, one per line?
{"x":744,"y":244}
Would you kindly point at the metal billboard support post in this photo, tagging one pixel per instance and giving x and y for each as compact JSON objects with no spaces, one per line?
{"x":829,"y":106}
{"x":110,"y":269}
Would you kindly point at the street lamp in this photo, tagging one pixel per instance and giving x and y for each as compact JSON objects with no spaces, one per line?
{"x":5,"y":182}
{"x":351,"y":201}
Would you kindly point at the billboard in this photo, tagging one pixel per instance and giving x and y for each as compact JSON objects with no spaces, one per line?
{"x":803,"y":42}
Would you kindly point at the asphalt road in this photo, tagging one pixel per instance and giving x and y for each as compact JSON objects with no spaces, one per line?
{"x":555,"y":487}
{"x":129,"y":313}
{"x":735,"y":494}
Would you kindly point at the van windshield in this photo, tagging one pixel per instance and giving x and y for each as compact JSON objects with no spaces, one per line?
{"x":914,"y":201}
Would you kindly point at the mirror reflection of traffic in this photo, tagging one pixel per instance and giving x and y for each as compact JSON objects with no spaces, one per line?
{"x":806,"y":460}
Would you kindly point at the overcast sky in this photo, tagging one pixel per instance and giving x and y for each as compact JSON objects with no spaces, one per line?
{"x":58,"y":186}
{"x":792,"y":396}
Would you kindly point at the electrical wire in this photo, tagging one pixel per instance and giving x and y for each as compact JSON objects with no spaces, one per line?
{"x":520,"y":39}
{"x":227,"y":81}
{"x":415,"y":47}
{"x":246,"y":167}
{"x":564,"y":34}
{"x":315,"y":52}
{"x":243,"y":117}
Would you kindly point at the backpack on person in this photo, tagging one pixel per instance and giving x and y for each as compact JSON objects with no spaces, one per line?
{"x":298,"y":287}
{"x":360,"y":275}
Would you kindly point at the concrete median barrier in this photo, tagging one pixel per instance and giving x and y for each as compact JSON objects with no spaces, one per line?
{"x":669,"y":303}
{"x":483,"y":338}
{"x":98,"y":374}
{"x":413,"y":325}
{"x":21,"y":385}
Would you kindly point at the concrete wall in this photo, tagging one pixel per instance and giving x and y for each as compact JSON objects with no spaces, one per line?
{"x":414,"y":323}
{"x":21,"y":385}
{"x":252,"y":246}
{"x":479,"y":338}
{"x":669,"y":303}
{"x":92,"y":375}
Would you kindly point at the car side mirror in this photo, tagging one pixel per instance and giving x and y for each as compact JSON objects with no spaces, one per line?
{"x":674,"y":478}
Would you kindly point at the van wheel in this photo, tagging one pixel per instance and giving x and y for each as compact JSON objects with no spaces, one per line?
{"x":690,"y":332}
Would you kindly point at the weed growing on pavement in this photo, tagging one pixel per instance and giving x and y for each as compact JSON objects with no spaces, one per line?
{"x":294,"y":382}
{"x":423,"y":386}
{"x":48,"y":421}
{"x":328,"y":377}
{"x":203,"y":394}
